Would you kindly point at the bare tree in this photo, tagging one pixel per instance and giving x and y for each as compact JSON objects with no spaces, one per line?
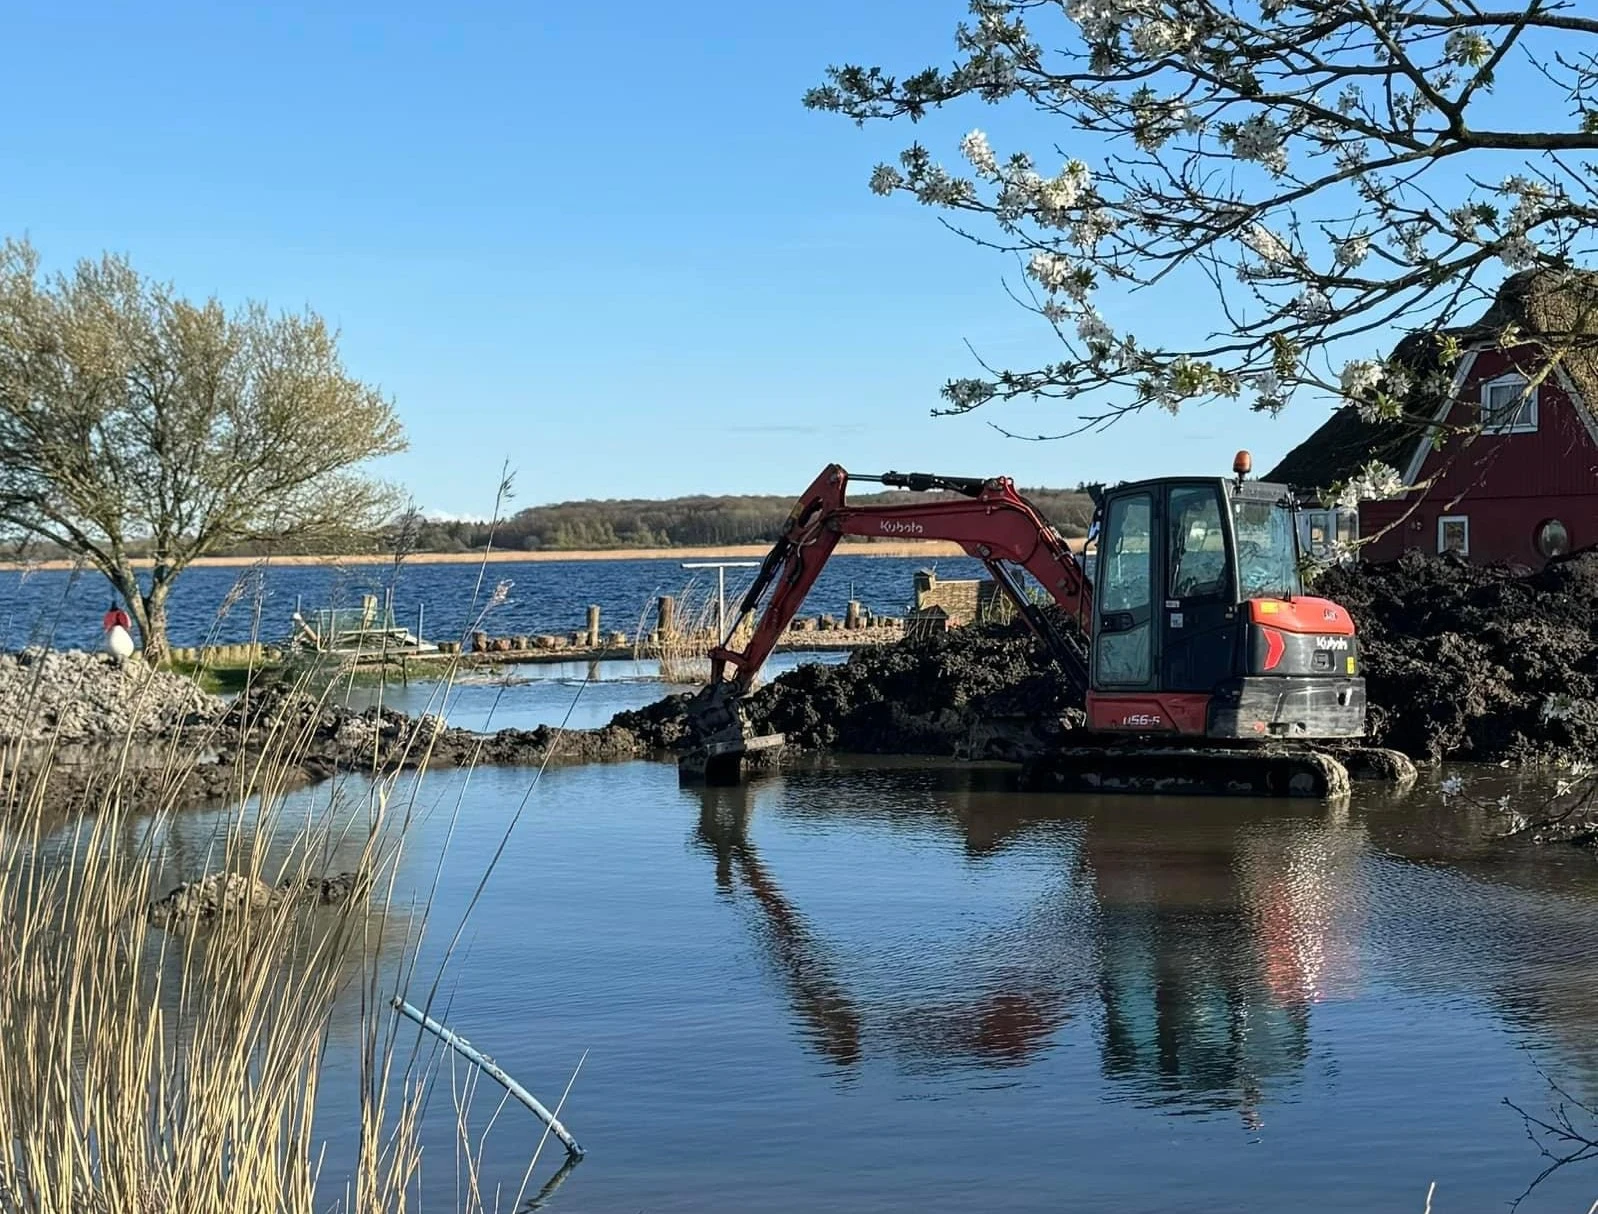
{"x":132,"y":420}
{"x":1321,"y":169}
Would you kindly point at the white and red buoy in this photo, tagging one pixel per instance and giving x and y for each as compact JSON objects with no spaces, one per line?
{"x":118,"y":641}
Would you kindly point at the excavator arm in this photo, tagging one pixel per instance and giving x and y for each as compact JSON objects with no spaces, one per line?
{"x":988,"y":518}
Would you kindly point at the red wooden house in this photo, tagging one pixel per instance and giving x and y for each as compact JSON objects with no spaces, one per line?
{"x":1500,"y":449}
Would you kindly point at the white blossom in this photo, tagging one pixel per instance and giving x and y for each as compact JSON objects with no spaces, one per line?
{"x":1091,"y":328}
{"x":1518,"y":252}
{"x":885,"y":179}
{"x":1155,"y":37}
{"x":1353,"y":251}
{"x":975,"y":148}
{"x":1267,"y":244}
{"x":1270,"y":394}
{"x":1467,"y":48}
{"x":1359,"y":377}
{"x":1375,"y":482}
{"x":1094,"y":226}
{"x":967,"y":393}
{"x":1053,"y":272}
{"x":1452,"y":786}
{"x":1412,"y":239}
{"x":1262,"y":140}
{"x":1312,"y":303}
{"x":1463,"y":221}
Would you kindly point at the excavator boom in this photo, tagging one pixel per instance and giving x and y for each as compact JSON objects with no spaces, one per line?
{"x":988,"y":518}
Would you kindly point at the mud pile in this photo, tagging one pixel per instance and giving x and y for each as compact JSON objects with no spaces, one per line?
{"x":985,"y":692}
{"x":1475,"y":662}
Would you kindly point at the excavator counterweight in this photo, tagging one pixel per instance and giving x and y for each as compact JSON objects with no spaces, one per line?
{"x":1198,"y":660}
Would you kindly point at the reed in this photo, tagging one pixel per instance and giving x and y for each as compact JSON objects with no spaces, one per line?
{"x":682,"y":651}
{"x":180,"y":1065}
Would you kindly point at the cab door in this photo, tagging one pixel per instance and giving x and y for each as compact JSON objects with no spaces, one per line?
{"x":1197,"y":635}
{"x":1124,"y":642}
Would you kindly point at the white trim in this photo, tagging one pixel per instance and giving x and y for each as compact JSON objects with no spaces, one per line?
{"x":1528,"y":403}
{"x":1443,"y":521}
{"x":1423,"y":447}
{"x":1577,"y":403}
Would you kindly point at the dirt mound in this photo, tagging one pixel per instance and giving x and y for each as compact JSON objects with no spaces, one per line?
{"x":978,"y":692}
{"x":1477,"y":662}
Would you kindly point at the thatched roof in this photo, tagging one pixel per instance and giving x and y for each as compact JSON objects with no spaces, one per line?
{"x":1558,"y":310}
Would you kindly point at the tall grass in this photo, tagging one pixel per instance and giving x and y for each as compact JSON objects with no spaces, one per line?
{"x":181,"y":1067}
{"x":178,"y":1068}
{"x":682,"y":650}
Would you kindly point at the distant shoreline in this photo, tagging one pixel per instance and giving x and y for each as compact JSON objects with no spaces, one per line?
{"x":885,"y":548}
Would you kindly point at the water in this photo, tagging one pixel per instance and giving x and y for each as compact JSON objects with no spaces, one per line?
{"x":64,"y":608}
{"x":577,"y":695}
{"x":894,"y":986}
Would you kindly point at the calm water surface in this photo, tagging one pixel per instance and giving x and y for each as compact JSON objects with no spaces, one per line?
{"x":898,"y":987}
{"x":227,"y":605}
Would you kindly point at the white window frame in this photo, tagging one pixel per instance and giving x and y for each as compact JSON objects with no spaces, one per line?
{"x":1442,"y":526}
{"x":1528,"y":410}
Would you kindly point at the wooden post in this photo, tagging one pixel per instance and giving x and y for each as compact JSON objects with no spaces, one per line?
{"x":593,"y":626}
{"x":667,"y":619}
{"x":851,"y":615}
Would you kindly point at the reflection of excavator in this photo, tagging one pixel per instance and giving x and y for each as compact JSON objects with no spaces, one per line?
{"x":1164,"y":938}
{"x":994,"y":1026}
{"x":1198,"y":659}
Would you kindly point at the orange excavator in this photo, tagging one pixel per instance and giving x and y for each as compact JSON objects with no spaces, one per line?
{"x":1199,"y":662}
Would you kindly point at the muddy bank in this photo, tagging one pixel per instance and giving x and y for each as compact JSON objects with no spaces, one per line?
{"x":984,"y":692}
{"x":1477,"y":663}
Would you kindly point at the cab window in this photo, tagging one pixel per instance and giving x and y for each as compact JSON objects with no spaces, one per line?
{"x":1197,"y":548}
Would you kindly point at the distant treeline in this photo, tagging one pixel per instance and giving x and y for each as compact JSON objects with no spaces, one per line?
{"x":679,"y":522}
{"x":684,"y":522}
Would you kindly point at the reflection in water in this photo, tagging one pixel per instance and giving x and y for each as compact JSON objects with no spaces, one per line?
{"x":1203,"y":949}
{"x":995,"y":1024}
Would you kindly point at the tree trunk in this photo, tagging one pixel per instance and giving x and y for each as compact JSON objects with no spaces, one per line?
{"x":151,"y":619}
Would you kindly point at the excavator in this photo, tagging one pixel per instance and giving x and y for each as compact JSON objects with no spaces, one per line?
{"x":1198,"y":660}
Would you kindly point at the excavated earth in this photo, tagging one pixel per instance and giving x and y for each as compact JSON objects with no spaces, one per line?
{"x":1478,"y":663}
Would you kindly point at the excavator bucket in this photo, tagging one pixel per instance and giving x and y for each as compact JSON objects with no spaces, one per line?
{"x":729,"y":761}
{"x":723,"y":748}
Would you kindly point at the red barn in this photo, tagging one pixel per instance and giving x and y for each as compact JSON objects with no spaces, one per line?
{"x":1499,"y":449}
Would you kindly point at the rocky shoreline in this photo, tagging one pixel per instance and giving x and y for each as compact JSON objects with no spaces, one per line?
{"x":1461,"y":663}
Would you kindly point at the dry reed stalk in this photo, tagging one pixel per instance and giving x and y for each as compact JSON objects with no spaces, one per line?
{"x":179,"y":1068}
{"x":682,"y":650}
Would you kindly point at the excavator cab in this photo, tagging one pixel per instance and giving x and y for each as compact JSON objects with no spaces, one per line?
{"x":1202,"y":626}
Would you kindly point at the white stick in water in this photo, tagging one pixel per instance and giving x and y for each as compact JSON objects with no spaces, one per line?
{"x":492,"y":1069}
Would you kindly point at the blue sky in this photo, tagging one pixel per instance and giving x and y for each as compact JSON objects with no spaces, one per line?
{"x":604,"y":242}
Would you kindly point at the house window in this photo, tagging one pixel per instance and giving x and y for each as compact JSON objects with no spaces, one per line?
{"x":1551,"y":538}
{"x":1508,"y":406}
{"x":1453,"y":534}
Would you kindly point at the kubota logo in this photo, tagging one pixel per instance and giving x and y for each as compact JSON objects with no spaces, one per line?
{"x":897,"y":527}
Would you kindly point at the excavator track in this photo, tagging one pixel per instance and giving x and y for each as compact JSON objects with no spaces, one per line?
{"x":1188,"y":771}
{"x":1318,"y":772}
